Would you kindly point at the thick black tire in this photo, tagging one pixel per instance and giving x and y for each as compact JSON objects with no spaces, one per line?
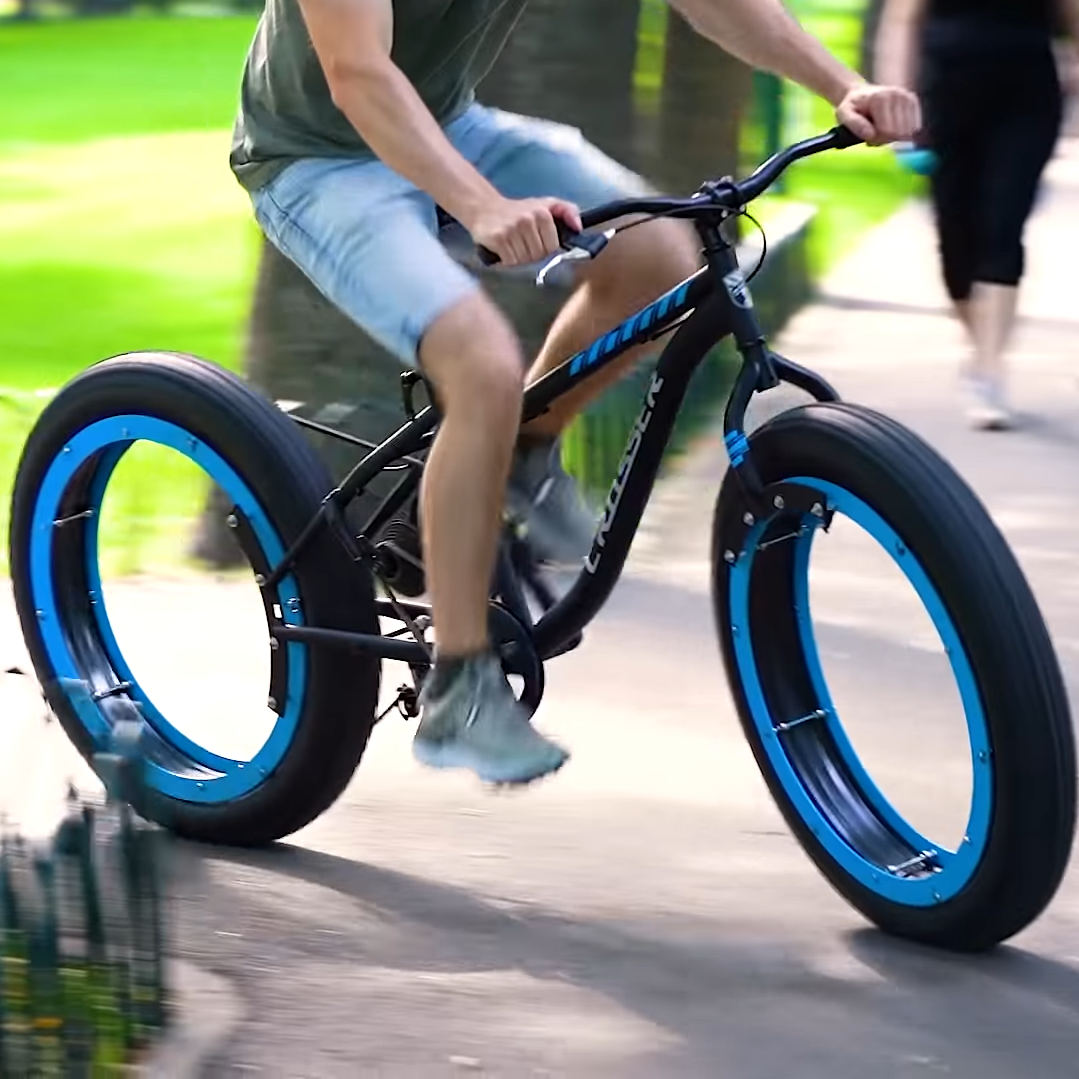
{"x":264,"y":447}
{"x":1008,"y":646}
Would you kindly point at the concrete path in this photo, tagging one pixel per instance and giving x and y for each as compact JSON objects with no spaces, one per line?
{"x":646,"y":914}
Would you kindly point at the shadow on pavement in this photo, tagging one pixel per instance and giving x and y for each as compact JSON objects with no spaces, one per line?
{"x":705,"y":988}
{"x":1009,"y":967}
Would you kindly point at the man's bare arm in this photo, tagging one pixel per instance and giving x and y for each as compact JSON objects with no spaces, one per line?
{"x":763,"y":34}
{"x":353,"y":41}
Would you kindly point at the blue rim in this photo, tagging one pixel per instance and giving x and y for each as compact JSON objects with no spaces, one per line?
{"x":954,"y":869}
{"x":194,"y":774}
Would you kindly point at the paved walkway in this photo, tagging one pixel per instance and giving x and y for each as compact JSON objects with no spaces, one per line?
{"x":647,"y":914}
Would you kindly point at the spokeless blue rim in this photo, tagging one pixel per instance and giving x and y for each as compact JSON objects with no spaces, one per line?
{"x":204,"y":776}
{"x":955,"y":867}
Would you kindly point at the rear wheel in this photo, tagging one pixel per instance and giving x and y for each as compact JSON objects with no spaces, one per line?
{"x":316,"y":713}
{"x":826,"y":462}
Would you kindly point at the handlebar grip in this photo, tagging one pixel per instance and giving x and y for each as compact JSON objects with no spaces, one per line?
{"x":843,"y":138}
{"x":566,"y":237}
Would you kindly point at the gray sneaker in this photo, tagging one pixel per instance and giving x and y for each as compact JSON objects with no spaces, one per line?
{"x":545,"y":499}
{"x":476,"y":723}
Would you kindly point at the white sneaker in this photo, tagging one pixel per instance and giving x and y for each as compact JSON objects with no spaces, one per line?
{"x":986,"y":407}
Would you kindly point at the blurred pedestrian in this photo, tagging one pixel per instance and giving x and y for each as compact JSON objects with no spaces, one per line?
{"x":988,"y":76}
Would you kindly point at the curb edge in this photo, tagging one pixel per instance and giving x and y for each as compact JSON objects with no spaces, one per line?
{"x":206,"y":1009}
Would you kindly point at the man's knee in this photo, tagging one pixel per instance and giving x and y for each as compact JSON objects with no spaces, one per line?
{"x":473,"y":357}
{"x":646,"y":261}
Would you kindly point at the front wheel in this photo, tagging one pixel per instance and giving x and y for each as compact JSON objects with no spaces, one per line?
{"x":825,"y":462}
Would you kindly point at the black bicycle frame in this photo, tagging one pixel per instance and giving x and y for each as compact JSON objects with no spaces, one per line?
{"x":702,"y":311}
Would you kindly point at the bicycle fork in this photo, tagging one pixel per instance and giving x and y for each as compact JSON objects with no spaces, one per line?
{"x":761,"y":370}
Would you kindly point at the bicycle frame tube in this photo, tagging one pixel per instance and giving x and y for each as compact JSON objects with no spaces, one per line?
{"x":704,"y":309}
{"x":636,"y":476}
{"x":721,"y":311}
{"x":652,"y":321}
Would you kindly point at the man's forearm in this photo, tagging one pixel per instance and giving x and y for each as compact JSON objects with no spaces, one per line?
{"x":393,"y":120}
{"x":764,"y":35}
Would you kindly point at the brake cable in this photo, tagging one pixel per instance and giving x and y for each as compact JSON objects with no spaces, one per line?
{"x":681,"y":210}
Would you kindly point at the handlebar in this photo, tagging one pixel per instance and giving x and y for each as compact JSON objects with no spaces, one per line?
{"x":722,"y":194}
{"x":839,"y":138}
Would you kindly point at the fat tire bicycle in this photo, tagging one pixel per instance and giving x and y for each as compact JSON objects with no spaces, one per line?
{"x":317,"y":573}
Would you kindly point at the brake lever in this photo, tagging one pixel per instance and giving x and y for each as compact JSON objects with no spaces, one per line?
{"x":591,"y":244}
{"x":574,"y":254}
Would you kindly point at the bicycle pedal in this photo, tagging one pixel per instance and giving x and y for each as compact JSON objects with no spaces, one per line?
{"x":406,"y":703}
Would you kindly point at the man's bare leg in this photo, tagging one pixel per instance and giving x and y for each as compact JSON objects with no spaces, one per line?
{"x":636,"y":268}
{"x":469,"y":717}
{"x":472,"y":356}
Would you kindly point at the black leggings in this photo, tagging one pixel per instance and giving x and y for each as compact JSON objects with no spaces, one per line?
{"x":993,"y":115}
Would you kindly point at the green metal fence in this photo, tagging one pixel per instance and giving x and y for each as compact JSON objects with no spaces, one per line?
{"x":82,"y":987}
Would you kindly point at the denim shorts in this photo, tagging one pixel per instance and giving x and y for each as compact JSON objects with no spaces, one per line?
{"x":368,"y":239}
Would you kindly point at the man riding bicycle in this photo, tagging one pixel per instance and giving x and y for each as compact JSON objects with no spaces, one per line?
{"x":358,"y":120}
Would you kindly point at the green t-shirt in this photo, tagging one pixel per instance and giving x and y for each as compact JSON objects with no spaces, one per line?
{"x":444,"y":47}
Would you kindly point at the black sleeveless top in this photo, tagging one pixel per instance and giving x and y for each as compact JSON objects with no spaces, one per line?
{"x":1041,"y":13}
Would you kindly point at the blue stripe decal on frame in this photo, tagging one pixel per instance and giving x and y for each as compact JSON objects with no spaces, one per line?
{"x":631,"y":327}
{"x":737,"y":447}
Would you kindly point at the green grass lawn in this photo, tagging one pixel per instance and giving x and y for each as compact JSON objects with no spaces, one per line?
{"x":121,"y":227}
{"x":62,"y":82}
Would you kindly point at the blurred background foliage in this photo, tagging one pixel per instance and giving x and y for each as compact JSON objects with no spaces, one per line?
{"x":122,"y":229}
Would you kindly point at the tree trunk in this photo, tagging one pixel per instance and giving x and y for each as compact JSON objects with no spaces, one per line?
{"x":873,"y":13}
{"x":705,"y":93}
{"x":572,"y":61}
